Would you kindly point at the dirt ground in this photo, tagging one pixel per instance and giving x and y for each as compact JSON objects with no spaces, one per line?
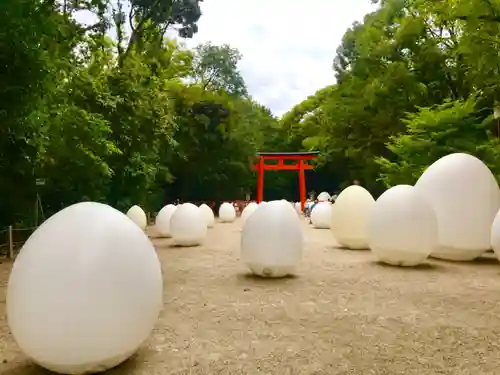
{"x":343,"y":314}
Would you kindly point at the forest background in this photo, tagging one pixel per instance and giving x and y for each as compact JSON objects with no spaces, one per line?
{"x":140,"y":119}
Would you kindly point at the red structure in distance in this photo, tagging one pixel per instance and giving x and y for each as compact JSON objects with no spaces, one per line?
{"x":299,"y":164}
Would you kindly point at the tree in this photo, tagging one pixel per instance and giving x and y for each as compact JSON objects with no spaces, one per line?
{"x":216,"y":68}
{"x":35,"y":43}
{"x":434,"y":132}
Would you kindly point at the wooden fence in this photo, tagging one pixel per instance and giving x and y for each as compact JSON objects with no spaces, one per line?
{"x":12,"y":239}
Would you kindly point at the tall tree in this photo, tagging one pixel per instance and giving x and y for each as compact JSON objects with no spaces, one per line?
{"x":216,"y":68}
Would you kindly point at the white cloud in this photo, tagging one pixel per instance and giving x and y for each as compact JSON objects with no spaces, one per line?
{"x":288,"y":46}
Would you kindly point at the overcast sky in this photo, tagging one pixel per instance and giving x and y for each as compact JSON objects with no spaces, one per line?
{"x":288,"y":46}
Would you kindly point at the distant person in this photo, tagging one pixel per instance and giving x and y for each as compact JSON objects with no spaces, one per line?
{"x":313,"y":204}
{"x":356,"y":182}
{"x":307,"y":207}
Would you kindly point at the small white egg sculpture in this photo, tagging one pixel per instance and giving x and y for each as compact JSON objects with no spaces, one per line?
{"x":138,"y":216}
{"x":248,"y":210}
{"x":321,"y":215}
{"x":465,"y":197}
{"x":350,"y":216}
{"x":162,"y":222}
{"x":272,"y":240}
{"x":208,"y":214}
{"x":227,"y":213}
{"x":324,"y":197}
{"x":85,"y":290}
{"x":403,"y":228}
{"x":188,"y":226}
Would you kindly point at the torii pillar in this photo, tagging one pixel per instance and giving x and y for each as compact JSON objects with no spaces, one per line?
{"x":299,"y":164}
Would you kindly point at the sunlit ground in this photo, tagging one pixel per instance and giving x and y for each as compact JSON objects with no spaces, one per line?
{"x":343,"y":314}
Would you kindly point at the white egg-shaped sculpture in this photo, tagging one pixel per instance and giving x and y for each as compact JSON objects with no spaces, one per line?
{"x":227,"y":213}
{"x":208,"y":214}
{"x":248,"y":210}
{"x":138,"y":216}
{"x":298,"y":207}
{"x":85,"y":290}
{"x":495,"y":235}
{"x":350,"y":216}
{"x":323,"y":197}
{"x":403,"y":228}
{"x":321,"y":215}
{"x":465,"y":197}
{"x":162,"y":222}
{"x":272,"y":240}
{"x":188,"y":225}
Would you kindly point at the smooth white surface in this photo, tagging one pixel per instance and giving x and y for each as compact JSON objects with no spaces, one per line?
{"x":208,"y":214}
{"x":162,"y":222}
{"x":350,"y":216}
{"x":188,"y":226}
{"x":248,"y":210}
{"x":321,"y":215}
{"x":227,"y":213}
{"x":272,"y":240}
{"x":323,"y":197}
{"x":495,"y":235}
{"x":138,"y":216}
{"x":466,"y":198}
{"x":85,"y":290}
{"x":298,"y":207}
{"x":403,"y":227}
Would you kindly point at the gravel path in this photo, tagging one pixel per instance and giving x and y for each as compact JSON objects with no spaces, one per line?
{"x":343,"y":314}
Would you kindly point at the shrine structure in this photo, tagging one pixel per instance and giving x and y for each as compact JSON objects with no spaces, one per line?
{"x":284,"y":161}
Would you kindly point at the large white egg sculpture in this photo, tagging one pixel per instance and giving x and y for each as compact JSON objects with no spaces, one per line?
{"x":323,"y":197}
{"x":350,"y":216}
{"x":272,"y":240}
{"x":495,"y":235}
{"x":321,"y":215}
{"x":188,"y":226}
{"x":208,"y":214}
{"x":248,"y":210}
{"x":138,"y":216}
{"x":85,"y":290}
{"x":466,"y":198}
{"x":403,"y":228}
{"x":227,"y":213}
{"x":162,"y":222}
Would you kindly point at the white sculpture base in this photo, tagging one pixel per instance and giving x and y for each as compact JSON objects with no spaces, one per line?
{"x":457,"y":255}
{"x":272,"y":272}
{"x":86,"y":368}
{"x":354,"y":244}
{"x":188,"y":243}
{"x":411,"y":259}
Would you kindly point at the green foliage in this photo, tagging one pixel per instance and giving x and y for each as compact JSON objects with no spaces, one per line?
{"x":141,"y":120}
{"x":415,"y":81}
{"x":216,"y":68}
{"x":434,"y":132}
{"x":137,"y":127}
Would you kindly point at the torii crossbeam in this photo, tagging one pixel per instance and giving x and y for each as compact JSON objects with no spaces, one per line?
{"x":298,"y":164}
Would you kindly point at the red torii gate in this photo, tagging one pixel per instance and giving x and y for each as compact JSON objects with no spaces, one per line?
{"x":299,"y":165}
